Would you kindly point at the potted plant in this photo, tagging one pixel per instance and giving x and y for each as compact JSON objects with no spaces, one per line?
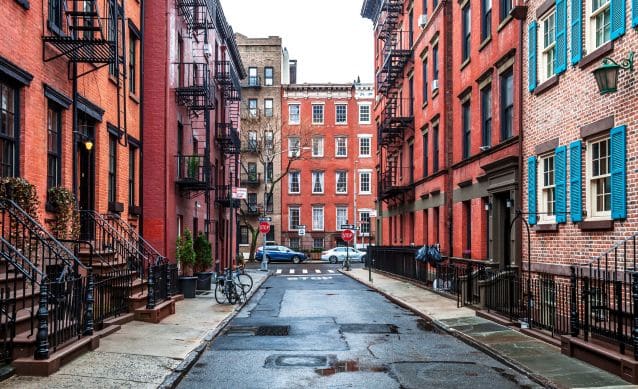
{"x":203,"y":261}
{"x":185,"y":255}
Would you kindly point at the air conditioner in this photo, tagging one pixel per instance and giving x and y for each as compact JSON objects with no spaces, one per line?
{"x":435,"y":85}
{"x":423,"y":20}
{"x":207,"y":50}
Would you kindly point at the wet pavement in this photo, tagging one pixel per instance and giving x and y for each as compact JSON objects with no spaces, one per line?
{"x":329,"y":331}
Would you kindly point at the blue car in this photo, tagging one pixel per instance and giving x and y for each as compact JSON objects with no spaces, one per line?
{"x":280,"y":254}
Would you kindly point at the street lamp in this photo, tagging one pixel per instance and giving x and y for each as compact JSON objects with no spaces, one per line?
{"x":607,"y":74}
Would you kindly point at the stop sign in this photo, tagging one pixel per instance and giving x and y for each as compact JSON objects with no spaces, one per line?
{"x":347,"y":235}
{"x":264,"y":227}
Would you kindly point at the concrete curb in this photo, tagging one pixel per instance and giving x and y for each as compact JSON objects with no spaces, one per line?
{"x":173,"y":379}
{"x":459,"y":335}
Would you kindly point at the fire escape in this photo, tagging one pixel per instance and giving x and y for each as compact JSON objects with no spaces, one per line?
{"x":397,"y":115}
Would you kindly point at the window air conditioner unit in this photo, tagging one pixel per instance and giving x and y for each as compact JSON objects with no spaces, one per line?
{"x":423,"y":20}
{"x":435,"y":85}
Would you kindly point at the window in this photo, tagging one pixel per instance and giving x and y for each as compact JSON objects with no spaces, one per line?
{"x":506,"y":7}
{"x":243,"y":235}
{"x":341,"y":111}
{"x":132,"y":63}
{"x":548,"y":189}
{"x":364,"y":146}
{"x":467,"y":129}
{"x":268,"y":110}
{"x":317,"y":182}
{"x":54,"y":147}
{"x":293,"y":182}
{"x":253,"y":79}
{"x":364,"y":222}
{"x":112,"y":169}
{"x":435,"y":147}
{"x":426,"y":154}
{"x":317,"y":113}
{"x":342,"y":217}
{"x":435,"y":63}
{"x":55,"y":15}
{"x":294,"y":147}
{"x":364,"y":182}
{"x":317,"y":219}
{"x":599,"y":23}
{"x":252,"y":140}
{"x":342,"y":182}
{"x":268,"y":202}
{"x":486,"y":19}
{"x":466,"y":25}
{"x":294,"y":215}
{"x":293,"y":114}
{"x":507,"y":104}
{"x":317,"y":243}
{"x":599,"y":178}
{"x":317,"y":147}
{"x":268,"y":76}
{"x":548,"y":48}
{"x":341,"y":147}
{"x":486,"y":116}
{"x":252,"y":108}
{"x":425,"y":80}
{"x":364,"y":114}
{"x":132,"y":174}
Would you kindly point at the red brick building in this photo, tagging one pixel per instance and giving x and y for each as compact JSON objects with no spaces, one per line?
{"x":329,"y":143}
{"x":449,"y":140}
{"x":191,"y":112}
{"x":70,"y":114}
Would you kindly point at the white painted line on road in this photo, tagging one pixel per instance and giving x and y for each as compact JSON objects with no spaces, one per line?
{"x":292,"y":271}
{"x":317,"y":271}
{"x":278,"y":271}
{"x":305,"y":271}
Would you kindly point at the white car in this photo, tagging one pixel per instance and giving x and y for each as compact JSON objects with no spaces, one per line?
{"x":338,"y":254}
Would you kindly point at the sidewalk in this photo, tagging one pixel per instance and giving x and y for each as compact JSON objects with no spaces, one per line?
{"x":543,"y":362}
{"x":144,"y":355}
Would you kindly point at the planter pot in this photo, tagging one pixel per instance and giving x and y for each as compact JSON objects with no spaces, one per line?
{"x":187,"y":286}
{"x":204,"y":280}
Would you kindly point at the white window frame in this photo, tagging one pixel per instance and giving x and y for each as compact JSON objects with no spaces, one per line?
{"x":337,"y":221}
{"x":345,"y":121}
{"x":590,"y":193}
{"x":318,"y":223}
{"x":290,"y":182}
{"x":292,"y":116}
{"x":323,"y":113}
{"x":337,"y":174}
{"x":361,"y":174}
{"x":368,"y":138}
{"x":544,"y":190}
{"x":318,"y":178}
{"x":362,"y":116}
{"x":547,"y":54}
{"x":318,"y":142}
{"x":590,"y":24}
{"x":294,"y":147}
{"x":337,"y":140}
{"x":290,"y":225}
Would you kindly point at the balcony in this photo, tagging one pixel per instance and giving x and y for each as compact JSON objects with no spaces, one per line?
{"x":192,"y":173}
{"x":224,"y":197}
{"x":226,"y":76}
{"x":250,"y":178}
{"x":252,"y":82}
{"x":396,"y":54}
{"x":252,"y":209}
{"x":228,"y":138}
{"x":194,"y":89}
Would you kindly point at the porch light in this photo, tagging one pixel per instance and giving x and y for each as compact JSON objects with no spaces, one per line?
{"x":607,"y":74}
{"x":88,"y":144}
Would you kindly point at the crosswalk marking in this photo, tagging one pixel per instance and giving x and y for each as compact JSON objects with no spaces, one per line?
{"x":305,"y":271}
{"x":278,"y":271}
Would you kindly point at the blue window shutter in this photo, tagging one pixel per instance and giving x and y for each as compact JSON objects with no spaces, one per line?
{"x":575,"y":181}
{"x":560,"y":61}
{"x":617,"y":16}
{"x":577,"y":31}
{"x":531,"y":55}
{"x":618,"y":145}
{"x":531,"y":190}
{"x":560,"y":181}
{"x":634,"y":13}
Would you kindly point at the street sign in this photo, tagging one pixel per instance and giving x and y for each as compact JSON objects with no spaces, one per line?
{"x":240,"y":193}
{"x":265,"y":219}
{"x":264,"y":227}
{"x":302,"y":231}
{"x":347,"y":235}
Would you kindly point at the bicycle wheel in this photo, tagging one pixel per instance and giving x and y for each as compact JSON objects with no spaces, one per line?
{"x":220,"y":296}
{"x":246,"y":282}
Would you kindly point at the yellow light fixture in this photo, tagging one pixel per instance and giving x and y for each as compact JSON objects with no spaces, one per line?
{"x":88,"y":144}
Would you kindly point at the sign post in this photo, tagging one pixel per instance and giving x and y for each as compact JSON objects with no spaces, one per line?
{"x":264,"y":228}
{"x":347,"y":235}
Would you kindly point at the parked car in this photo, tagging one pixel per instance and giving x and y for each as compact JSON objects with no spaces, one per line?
{"x":280,"y":254}
{"x":338,"y":254}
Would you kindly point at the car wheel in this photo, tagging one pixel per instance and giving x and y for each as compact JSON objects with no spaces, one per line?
{"x":333,"y":259}
{"x":296,"y":259}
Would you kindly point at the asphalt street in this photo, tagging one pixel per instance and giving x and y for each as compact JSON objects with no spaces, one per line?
{"x":311,"y":327}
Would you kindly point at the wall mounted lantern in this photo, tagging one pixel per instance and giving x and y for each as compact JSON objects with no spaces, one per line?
{"x":607,"y":74}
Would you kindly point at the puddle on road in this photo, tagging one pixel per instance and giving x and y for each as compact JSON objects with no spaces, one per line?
{"x":349,"y":367}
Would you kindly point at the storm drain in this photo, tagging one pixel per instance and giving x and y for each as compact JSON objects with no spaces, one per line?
{"x":258,"y":331}
{"x":370,"y":328}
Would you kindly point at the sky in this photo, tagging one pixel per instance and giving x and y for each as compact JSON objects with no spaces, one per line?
{"x":329,"y":39}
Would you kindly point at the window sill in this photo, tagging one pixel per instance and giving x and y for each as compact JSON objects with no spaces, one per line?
{"x":485,"y":42}
{"x":596,"y":55}
{"x":597,"y":225}
{"x":546,"y":85}
{"x":504,"y":23}
{"x":465,"y":63}
{"x":546,"y":227}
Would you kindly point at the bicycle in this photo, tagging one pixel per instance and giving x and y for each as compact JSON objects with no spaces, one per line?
{"x":227,"y":290}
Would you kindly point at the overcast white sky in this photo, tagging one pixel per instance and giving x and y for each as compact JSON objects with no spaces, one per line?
{"x":329,"y":39}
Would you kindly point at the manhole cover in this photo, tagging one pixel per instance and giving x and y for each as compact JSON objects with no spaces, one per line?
{"x":272,"y":331}
{"x":370,"y":328}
